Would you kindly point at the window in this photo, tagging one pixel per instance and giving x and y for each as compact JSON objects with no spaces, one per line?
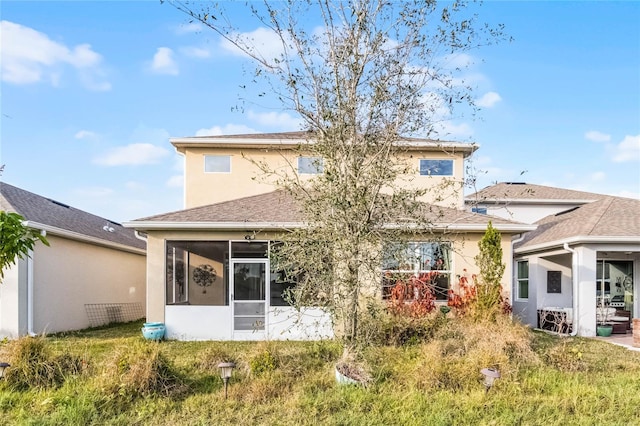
{"x":217,"y":164}
{"x":480,"y":210}
{"x":310,"y":165}
{"x":436,"y":167}
{"x":427,"y":261}
{"x":523,"y":279}
{"x":196,"y":273}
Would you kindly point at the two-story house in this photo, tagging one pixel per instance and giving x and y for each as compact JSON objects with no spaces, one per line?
{"x":208,"y":267}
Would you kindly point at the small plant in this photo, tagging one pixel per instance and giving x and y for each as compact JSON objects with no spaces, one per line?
{"x":263,"y":362}
{"x":413,"y":297}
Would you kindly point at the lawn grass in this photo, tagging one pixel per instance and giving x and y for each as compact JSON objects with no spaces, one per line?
{"x":561,"y":381}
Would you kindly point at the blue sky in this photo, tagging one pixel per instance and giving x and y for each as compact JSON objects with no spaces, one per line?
{"x":91,"y":92}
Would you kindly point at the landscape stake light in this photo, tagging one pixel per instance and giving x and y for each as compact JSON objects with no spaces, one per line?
{"x":3,"y":365}
{"x":226,"y":368}
{"x":490,"y":375}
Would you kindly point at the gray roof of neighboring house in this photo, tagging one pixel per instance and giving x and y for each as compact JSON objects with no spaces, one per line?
{"x":41,"y":210}
{"x":608,"y":217}
{"x":279,"y":208}
{"x":511,"y":191}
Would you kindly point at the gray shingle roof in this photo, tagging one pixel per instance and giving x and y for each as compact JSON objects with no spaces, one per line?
{"x":279,"y":207}
{"x":527,"y":191}
{"x":607,"y":217}
{"x":36,"y":208}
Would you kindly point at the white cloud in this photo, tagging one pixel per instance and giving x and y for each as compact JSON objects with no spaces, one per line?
{"x":595,"y":136}
{"x":135,"y":186}
{"x":262,"y":41}
{"x":176,"y":181}
{"x":449,"y":129}
{"x":133,"y":155}
{"x":627,"y":150}
{"x":29,"y":56}
{"x":163,"y":62}
{"x":191,"y":27}
{"x":281,"y":120}
{"x":488,"y":100}
{"x":229,"y":129}
{"x":195,"y":52}
{"x":598,"y":176}
{"x":458,"y":60}
{"x":85,"y":134}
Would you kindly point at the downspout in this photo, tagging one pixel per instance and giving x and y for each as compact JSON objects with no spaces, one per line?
{"x":30,"y":303}
{"x":574,"y":284}
{"x":139,"y":236}
{"x":30,"y":331}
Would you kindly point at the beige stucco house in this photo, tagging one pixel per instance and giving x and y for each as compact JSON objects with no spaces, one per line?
{"x":208,"y":268}
{"x":92,"y":273}
{"x":584,"y":254}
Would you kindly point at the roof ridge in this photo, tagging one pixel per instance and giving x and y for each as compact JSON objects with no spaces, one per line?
{"x":602,"y":209}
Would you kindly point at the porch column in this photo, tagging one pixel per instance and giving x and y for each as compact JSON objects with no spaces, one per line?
{"x":586,"y":279}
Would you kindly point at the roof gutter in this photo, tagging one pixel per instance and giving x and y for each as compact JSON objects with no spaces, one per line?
{"x":578,"y":239}
{"x":526,"y":201}
{"x":81,"y":237}
{"x":244,"y":226}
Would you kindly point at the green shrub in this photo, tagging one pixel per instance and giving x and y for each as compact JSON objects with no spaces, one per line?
{"x":264,"y":361}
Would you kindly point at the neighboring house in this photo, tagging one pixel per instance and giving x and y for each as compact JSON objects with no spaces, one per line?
{"x":92,"y":273}
{"x":524,"y":202}
{"x":585,"y":251}
{"x":208,"y":269}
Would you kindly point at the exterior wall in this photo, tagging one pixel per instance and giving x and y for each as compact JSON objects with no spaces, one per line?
{"x":70,"y":274}
{"x":13,"y":300}
{"x":527,"y":309}
{"x":214,"y":323}
{"x":246,"y":179}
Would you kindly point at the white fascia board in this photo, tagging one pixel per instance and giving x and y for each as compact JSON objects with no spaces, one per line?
{"x":212,"y":226}
{"x":244,"y":226}
{"x":544,"y":201}
{"x":505,"y":227}
{"x":81,"y":237}
{"x":578,"y":239}
{"x":236,"y":142}
{"x":185,"y":142}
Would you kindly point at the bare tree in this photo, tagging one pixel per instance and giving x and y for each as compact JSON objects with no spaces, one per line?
{"x":370,"y":75}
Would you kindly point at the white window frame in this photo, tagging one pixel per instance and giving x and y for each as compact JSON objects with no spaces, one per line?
{"x":520,"y":280}
{"x":310,"y":165}
{"x":449,"y":160}
{"x":227,"y":169}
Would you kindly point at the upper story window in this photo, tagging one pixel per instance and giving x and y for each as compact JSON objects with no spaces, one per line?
{"x":436,"y":167}
{"x":481,"y":210}
{"x":310,"y":165}
{"x":217,"y":164}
